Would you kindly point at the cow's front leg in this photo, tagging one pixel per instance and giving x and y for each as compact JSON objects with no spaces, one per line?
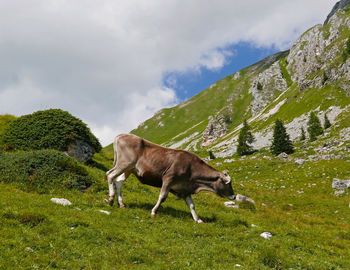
{"x":190,"y":204}
{"x":162,"y":197}
{"x":118,"y":183}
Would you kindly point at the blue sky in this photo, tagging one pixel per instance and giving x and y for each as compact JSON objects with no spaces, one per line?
{"x":191,"y":82}
{"x":114,"y":64}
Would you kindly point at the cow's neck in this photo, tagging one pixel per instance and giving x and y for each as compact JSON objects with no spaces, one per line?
{"x":205,"y":185}
{"x":206,"y":173}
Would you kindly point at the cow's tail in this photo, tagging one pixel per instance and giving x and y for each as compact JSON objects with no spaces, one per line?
{"x":115,"y":152}
{"x":115,"y":157}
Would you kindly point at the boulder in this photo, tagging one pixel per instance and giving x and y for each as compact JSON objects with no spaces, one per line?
{"x":283,"y":155}
{"x":266,"y":235}
{"x":81,"y":151}
{"x":340,"y":184}
{"x":61,"y":201}
{"x":242,"y":198}
{"x":299,"y":161}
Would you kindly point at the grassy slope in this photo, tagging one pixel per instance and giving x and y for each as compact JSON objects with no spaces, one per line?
{"x":209,"y":102}
{"x":295,"y":203}
{"x":310,"y":229}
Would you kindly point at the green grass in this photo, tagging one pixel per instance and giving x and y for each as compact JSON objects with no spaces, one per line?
{"x":310,"y":229}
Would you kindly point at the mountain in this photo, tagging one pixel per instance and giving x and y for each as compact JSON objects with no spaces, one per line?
{"x":313,"y":75}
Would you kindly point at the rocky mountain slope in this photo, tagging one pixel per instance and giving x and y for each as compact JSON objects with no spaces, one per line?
{"x":314,"y":75}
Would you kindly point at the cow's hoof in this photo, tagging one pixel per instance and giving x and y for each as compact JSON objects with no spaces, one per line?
{"x":153,"y":215}
{"x":199,"y":221}
{"x":108,"y":202}
{"x":121,"y":206}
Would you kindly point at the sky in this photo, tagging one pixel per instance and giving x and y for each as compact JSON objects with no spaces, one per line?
{"x":114,"y":63}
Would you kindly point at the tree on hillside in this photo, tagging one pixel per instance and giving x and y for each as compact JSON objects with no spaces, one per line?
{"x":244,"y":140}
{"x":314,"y":127}
{"x":327,"y":123}
{"x":281,"y":142}
{"x":303,"y":136}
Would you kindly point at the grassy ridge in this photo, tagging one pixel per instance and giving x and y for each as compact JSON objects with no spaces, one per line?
{"x":295,"y":203}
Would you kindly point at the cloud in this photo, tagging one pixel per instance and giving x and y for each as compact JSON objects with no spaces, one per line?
{"x":104,"y":60}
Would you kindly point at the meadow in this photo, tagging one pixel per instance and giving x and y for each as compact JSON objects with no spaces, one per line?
{"x":309,"y":224}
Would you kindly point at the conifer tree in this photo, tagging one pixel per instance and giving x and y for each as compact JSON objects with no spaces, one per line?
{"x":244,"y":140}
{"x":314,"y":127}
{"x":327,"y":123}
{"x":281,"y":142}
{"x":303,"y":136}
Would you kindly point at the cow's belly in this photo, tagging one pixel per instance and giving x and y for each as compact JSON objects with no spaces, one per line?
{"x":149,"y":179}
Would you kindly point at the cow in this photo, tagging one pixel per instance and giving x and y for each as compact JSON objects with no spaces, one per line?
{"x":177,"y":171}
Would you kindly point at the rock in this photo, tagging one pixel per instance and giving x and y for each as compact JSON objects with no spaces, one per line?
{"x":266,"y":235}
{"x":80,"y":150}
{"x":61,"y":201}
{"x":105,"y":212}
{"x":283,"y":155}
{"x":337,"y":6}
{"x":253,"y":226}
{"x":299,"y":161}
{"x":229,"y":160}
{"x":242,"y":198}
{"x":263,"y":87}
{"x":218,"y":164}
{"x":238,"y":265}
{"x":28,"y":249}
{"x":237,"y":75}
{"x":216,"y":128}
{"x":229,"y":204}
{"x":340,"y":184}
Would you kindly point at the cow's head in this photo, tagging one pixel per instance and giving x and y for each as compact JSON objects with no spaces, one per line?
{"x":223,"y":186}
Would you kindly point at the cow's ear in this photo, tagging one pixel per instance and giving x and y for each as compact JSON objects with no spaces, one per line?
{"x":225,"y":172}
{"x":226,"y":178}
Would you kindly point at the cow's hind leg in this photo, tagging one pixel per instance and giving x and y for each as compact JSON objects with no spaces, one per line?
{"x":190,"y":204}
{"x":162,"y":197}
{"x":111,"y":175}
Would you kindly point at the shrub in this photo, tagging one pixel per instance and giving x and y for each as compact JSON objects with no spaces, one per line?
{"x":281,"y":142}
{"x":327,"y":123}
{"x":259,"y":86}
{"x":43,"y":171}
{"x":5,"y":121}
{"x":303,"y":136}
{"x":49,"y":129}
{"x":244,"y":140}
{"x":314,"y":127}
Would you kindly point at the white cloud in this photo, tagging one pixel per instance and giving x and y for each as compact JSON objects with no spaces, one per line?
{"x":104,"y":60}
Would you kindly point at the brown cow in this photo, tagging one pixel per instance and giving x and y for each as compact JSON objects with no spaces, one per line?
{"x":178,"y":171}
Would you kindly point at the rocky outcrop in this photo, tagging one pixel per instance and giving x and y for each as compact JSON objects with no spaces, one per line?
{"x":80,"y":150}
{"x":316,"y":50}
{"x":337,"y":6}
{"x":264,"y":86}
{"x":216,"y":128}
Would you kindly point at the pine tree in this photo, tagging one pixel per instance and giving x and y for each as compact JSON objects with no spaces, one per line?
{"x":303,"y":136}
{"x":281,"y":142}
{"x":327,"y":123}
{"x":314,"y":127}
{"x":244,"y":140}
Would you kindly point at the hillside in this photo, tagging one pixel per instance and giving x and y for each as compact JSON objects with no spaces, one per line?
{"x":313,"y":75}
{"x":295,"y":202}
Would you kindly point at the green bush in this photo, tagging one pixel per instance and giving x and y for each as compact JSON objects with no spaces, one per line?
{"x":245,"y":139}
{"x":49,"y":129}
{"x":5,"y":120}
{"x":43,"y":171}
{"x":281,"y":142}
{"x":314,"y":127}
